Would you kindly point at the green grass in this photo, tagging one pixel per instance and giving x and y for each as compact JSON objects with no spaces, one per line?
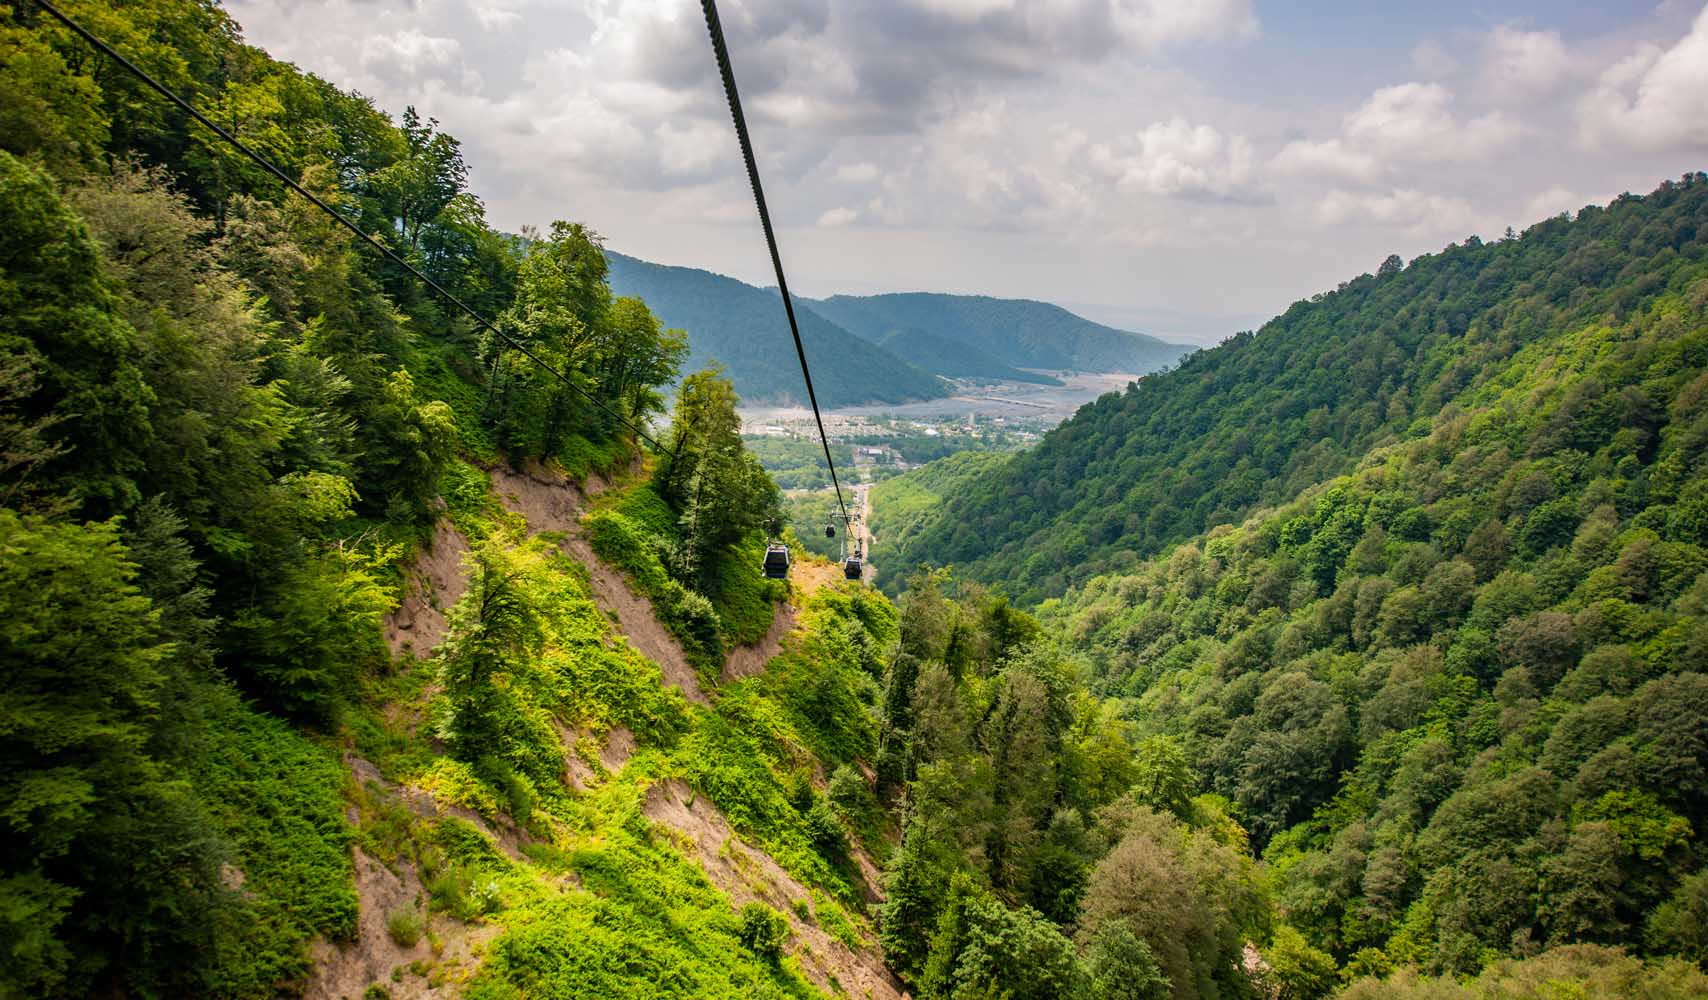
{"x":746,"y":602}
{"x":277,"y":797}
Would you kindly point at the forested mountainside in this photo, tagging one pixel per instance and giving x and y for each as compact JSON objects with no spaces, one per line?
{"x":1254,"y":422}
{"x":743,"y":328}
{"x":954,"y":358}
{"x":1460,"y":695}
{"x":1017,"y":332}
{"x":931,"y":351}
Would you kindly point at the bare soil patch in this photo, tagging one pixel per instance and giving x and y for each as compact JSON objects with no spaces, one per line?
{"x":436,"y":581}
{"x":423,"y":969}
{"x":749,"y":661}
{"x":747,"y":874}
{"x":632,"y":613}
{"x":548,"y":501}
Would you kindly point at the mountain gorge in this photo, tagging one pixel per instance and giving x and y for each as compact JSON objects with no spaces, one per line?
{"x":350,"y":652}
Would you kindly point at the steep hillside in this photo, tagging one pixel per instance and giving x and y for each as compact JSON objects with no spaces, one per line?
{"x":1017,"y":332}
{"x":1260,"y":418}
{"x":742,"y":328}
{"x":1460,"y":695}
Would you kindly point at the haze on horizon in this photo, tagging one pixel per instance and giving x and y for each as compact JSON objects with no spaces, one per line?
{"x":1179,"y":167}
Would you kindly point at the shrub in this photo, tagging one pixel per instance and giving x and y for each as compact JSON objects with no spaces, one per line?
{"x":405,"y":925}
{"x":763,"y":931}
{"x":824,"y":832}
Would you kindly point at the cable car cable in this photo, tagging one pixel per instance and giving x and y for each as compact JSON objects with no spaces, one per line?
{"x":721,"y":51}
{"x":268,"y":166}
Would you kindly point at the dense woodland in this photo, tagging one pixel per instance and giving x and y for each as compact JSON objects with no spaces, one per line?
{"x":1455,"y":695}
{"x":1267,"y":763}
{"x":225,"y":428}
{"x":1256,"y":421}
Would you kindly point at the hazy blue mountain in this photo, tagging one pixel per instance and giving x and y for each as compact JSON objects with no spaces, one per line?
{"x":931,"y":351}
{"x":1020,"y":333}
{"x":742,"y":328}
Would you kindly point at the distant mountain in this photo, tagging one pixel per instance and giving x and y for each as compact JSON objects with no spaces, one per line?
{"x":742,"y":328}
{"x":931,"y":351}
{"x":1019,"y":333}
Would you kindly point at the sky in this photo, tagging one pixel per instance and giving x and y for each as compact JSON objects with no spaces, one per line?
{"x":1178,"y":167}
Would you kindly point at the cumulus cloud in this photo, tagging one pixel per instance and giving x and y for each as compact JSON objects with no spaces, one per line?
{"x":988,"y":126}
{"x":1402,"y":208}
{"x":1329,"y":158}
{"x":1525,"y":64}
{"x":1092,"y":26}
{"x":1177,"y":159}
{"x":1413,"y":121}
{"x":410,"y":54}
{"x":1398,"y":126}
{"x":1549,"y":203}
{"x":1653,"y":99}
{"x":493,"y":17}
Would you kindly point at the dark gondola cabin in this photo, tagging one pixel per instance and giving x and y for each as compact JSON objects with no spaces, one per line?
{"x":776,"y":565}
{"x":852,"y":568}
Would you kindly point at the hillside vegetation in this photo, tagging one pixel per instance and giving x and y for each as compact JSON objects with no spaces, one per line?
{"x":743,"y":329}
{"x":1016,"y":332}
{"x":227,"y":434}
{"x":1254,"y":422}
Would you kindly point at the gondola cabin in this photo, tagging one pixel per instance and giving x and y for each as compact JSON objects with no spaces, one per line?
{"x":852,"y":568}
{"x":776,"y":566}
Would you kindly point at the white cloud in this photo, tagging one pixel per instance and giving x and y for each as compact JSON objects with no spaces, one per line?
{"x":1177,"y":159}
{"x":1402,"y":208}
{"x":837,"y":217}
{"x":694,"y":149}
{"x":963,"y":9}
{"x":1524,"y":64}
{"x":411,"y":53}
{"x":1396,"y":127}
{"x":1329,"y":158}
{"x":493,"y":17}
{"x":1156,"y":23}
{"x":1550,"y":203}
{"x":1412,"y":121}
{"x":1653,"y":99}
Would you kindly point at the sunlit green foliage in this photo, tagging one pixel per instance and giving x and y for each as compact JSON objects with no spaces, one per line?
{"x":1457,"y":694}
